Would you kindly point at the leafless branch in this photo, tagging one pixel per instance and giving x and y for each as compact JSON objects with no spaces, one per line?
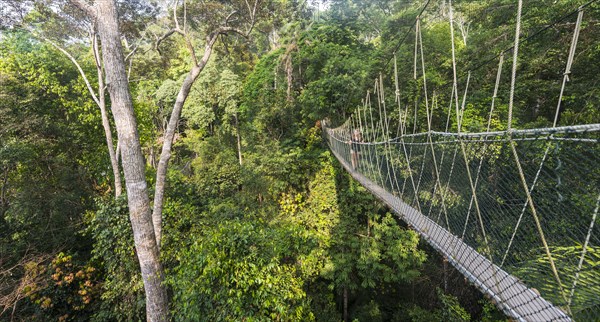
{"x":184,"y":16}
{"x":81,"y":72}
{"x":190,"y":47}
{"x":130,"y":57}
{"x":230,"y":15}
{"x":159,"y":40}
{"x":14,"y":290}
{"x":226,"y":30}
{"x":254,"y":11}
{"x":96,"y":51}
{"x":175,"y":3}
{"x":252,"y":16}
{"x":85,"y":7}
{"x":131,"y":53}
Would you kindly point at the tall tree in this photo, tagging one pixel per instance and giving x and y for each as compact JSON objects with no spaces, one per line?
{"x":105,"y":15}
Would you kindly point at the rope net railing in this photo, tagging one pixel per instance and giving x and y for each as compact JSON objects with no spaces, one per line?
{"x":515,"y":210}
{"x":561,"y":169}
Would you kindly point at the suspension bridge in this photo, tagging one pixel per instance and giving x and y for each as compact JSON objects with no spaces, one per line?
{"x":515,"y":211}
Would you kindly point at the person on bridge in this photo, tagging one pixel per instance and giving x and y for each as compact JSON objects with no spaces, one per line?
{"x":355,"y":139}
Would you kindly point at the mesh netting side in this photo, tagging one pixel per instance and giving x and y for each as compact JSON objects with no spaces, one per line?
{"x":509,"y":248}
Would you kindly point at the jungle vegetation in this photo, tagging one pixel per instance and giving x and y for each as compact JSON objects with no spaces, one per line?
{"x":169,"y":164}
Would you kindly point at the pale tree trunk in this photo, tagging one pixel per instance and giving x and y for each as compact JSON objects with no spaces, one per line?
{"x":464,"y":29}
{"x":239,"y":139}
{"x":165,"y":155}
{"x":105,"y":12}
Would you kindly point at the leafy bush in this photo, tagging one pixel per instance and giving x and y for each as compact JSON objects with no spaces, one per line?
{"x":239,"y":270}
{"x":114,"y":251}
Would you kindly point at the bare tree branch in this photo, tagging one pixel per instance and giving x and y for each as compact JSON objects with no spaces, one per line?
{"x":81,"y":72}
{"x":131,"y":53}
{"x":130,"y":57}
{"x":253,"y":16}
{"x":14,"y":290}
{"x":90,"y":10}
{"x":230,"y":15}
{"x":175,"y":3}
{"x":190,"y":47}
{"x":211,"y":38}
{"x":250,"y":11}
{"x":184,"y":16}
{"x":163,"y":37}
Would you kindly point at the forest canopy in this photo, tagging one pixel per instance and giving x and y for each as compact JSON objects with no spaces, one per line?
{"x":164,"y":160}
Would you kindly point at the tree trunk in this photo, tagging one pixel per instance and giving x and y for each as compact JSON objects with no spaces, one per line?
{"x":132,"y":160}
{"x":239,"y":139}
{"x":165,"y":154}
{"x":3,"y":189}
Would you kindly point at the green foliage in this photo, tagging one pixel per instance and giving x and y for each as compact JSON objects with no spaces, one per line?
{"x":452,"y":311}
{"x":215,"y":173}
{"x":369,"y":312}
{"x":584,"y":301}
{"x":45,"y":176}
{"x":335,"y":66}
{"x":165,"y":98}
{"x":263,"y":102}
{"x":491,"y":313}
{"x":390,"y":255}
{"x":284,"y":235}
{"x":418,"y":314}
{"x":114,"y":252}
{"x":240,"y":270}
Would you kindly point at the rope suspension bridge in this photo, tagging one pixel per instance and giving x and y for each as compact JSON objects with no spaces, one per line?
{"x":515,"y":211}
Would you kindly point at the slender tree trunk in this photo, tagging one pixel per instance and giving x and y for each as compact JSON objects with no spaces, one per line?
{"x":132,"y":160}
{"x":3,"y":201}
{"x":239,"y":140}
{"x":114,"y":163}
{"x":105,"y":122}
{"x":165,"y":155}
{"x":118,"y":151}
{"x":12,"y":314}
{"x":152,"y":160}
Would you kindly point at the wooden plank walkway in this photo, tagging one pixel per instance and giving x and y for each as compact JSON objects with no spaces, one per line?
{"x":509,"y":293}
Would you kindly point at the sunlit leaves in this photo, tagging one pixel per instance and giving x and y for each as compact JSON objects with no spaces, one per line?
{"x":240,"y":270}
